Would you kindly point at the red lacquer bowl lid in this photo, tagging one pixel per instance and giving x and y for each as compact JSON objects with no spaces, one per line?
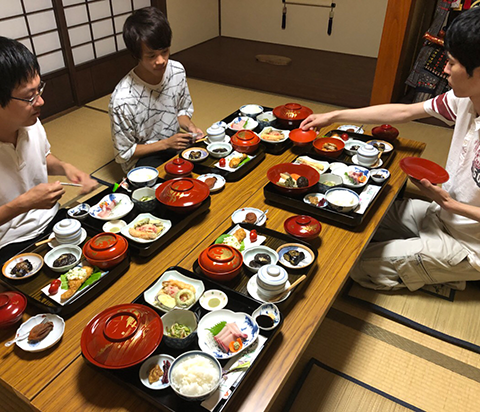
{"x":245,"y":138}
{"x":220,"y":258}
{"x":385,"y":132}
{"x":12,"y":306}
{"x":292,"y":111}
{"x":182,"y":192}
{"x":178,"y":167}
{"x":302,"y":226}
{"x":122,"y":336}
{"x":419,"y":168}
{"x":299,"y":136}
{"x":105,"y":246}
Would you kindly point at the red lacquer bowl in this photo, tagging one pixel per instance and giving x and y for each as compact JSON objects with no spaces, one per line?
{"x":182,"y":195}
{"x":12,"y":306}
{"x":105,"y":250}
{"x":302,"y":227}
{"x":122,"y":336}
{"x":310,"y":173}
{"x":319,"y":143}
{"x":220,"y":262}
{"x":301,"y":137}
{"x":290,"y":115}
{"x":245,"y":141}
{"x":419,"y":168}
{"x":178,"y":167}
{"x":385,"y":132}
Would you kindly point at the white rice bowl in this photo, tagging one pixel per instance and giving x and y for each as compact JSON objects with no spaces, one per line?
{"x":343,"y":200}
{"x":195,"y":375}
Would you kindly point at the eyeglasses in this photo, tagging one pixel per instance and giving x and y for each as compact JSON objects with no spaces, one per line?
{"x":33,"y":99}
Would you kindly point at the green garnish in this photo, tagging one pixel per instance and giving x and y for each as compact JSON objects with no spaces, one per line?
{"x":97,"y":274}
{"x":215,"y":330}
{"x":245,"y":124}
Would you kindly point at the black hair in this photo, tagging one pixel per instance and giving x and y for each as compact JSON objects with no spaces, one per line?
{"x":150,"y":26}
{"x":462,"y":39}
{"x":17,"y":65}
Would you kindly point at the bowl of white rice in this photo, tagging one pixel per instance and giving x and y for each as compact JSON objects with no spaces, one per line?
{"x":342,"y":200}
{"x":195,"y":375}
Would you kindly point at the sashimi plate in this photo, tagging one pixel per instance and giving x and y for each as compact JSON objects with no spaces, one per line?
{"x":244,"y":322}
{"x":118,"y":204}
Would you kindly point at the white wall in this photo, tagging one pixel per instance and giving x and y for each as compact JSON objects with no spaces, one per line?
{"x":357,"y":25}
{"x":192,"y":22}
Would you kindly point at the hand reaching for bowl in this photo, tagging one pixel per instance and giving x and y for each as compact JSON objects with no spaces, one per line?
{"x":315,"y":121}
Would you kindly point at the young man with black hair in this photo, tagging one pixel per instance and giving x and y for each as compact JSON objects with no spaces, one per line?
{"x":420,"y":242}
{"x":152,"y":102}
{"x":28,"y":203}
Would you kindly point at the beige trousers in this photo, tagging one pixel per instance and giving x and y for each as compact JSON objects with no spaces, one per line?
{"x":411,"y":249}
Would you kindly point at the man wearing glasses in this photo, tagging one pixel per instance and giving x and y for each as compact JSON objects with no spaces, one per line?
{"x":28,"y":203}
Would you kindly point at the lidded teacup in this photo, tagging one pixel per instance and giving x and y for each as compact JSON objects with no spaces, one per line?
{"x":216,"y":133}
{"x":68,"y":231}
{"x":271,"y":280}
{"x":367,"y":155}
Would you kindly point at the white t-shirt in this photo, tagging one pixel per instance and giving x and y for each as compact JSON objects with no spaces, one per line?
{"x":142,"y":113}
{"x":463,"y":166}
{"x":21,"y":168}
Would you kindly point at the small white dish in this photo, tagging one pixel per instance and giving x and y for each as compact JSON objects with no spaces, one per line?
{"x":54,"y":242}
{"x":231,"y":156}
{"x":213,"y":299}
{"x":320,"y":200}
{"x":379,"y":175}
{"x":351,"y":128}
{"x":79,"y":212}
{"x":360,"y":170}
{"x":239,"y":215}
{"x":203,"y":154}
{"x":167,"y":224}
{"x":225,"y":147}
{"x":244,"y":322}
{"x":387,"y":147}
{"x":319,"y":165}
{"x":241,"y":120}
{"x":349,"y":144}
{"x":252,"y":289}
{"x":51,"y":339}
{"x":219,"y":184}
{"x":114,"y":226}
{"x":307,"y":261}
{"x":148,"y":365}
{"x":56,"y":252}
{"x":150,"y":294}
{"x":123,"y":206}
{"x":249,"y":256}
{"x":270,"y":310}
{"x":35,"y":259}
{"x":269,"y":129}
{"x":378,"y":163}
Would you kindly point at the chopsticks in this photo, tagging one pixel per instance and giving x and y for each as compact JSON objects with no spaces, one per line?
{"x":70,"y":184}
{"x":201,"y":140}
{"x":42,"y":242}
{"x":291,"y":287}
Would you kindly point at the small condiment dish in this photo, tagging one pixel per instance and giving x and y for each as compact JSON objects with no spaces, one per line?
{"x":148,"y":365}
{"x":114,"y":226}
{"x":267,"y":316}
{"x":57,"y":251}
{"x":213,"y":299}
{"x":352,"y":146}
{"x":250,"y":254}
{"x":379,"y":175}
{"x":79,"y":212}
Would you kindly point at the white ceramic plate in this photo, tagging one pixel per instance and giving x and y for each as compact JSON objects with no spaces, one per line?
{"x":388,"y":146}
{"x":77,"y":294}
{"x":244,"y":322}
{"x":226,"y":139}
{"x":285,"y":133}
{"x":309,"y":256}
{"x":239,"y":215}
{"x":33,"y":258}
{"x":148,"y":365}
{"x":51,"y":339}
{"x":167,"y":224}
{"x":150,"y":294}
{"x":319,"y":165}
{"x":219,"y":184}
{"x":356,"y":129}
{"x":123,"y":207}
{"x":251,"y":124}
{"x":203,"y":154}
{"x":213,"y":295}
{"x":252,"y":289}
{"x":246,"y":242}
{"x":54,"y":242}
{"x":319,"y":196}
{"x":346,"y":181}
{"x":378,"y":164}
{"x":228,"y":158}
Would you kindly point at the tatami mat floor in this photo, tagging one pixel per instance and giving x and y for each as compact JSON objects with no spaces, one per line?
{"x":390,"y":358}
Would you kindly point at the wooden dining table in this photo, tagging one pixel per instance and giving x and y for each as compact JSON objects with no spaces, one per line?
{"x":60,"y":379}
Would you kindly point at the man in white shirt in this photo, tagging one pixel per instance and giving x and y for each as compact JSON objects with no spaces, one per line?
{"x":28,"y":203}
{"x":419,"y":242}
{"x":152,"y":102}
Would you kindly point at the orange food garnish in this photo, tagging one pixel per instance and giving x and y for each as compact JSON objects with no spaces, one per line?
{"x":294,"y":176}
{"x":235,"y":345}
{"x":362,"y":178}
